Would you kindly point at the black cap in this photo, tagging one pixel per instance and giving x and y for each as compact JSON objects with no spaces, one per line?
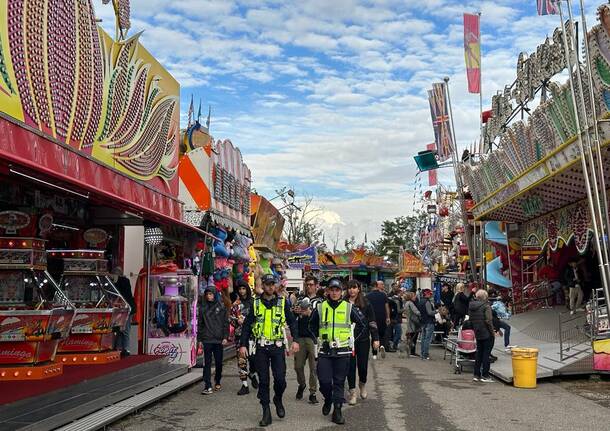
{"x":335,"y":283}
{"x":268,"y":279}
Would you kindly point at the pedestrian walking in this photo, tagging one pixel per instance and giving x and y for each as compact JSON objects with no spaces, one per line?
{"x":123,"y":285}
{"x":240,"y":309}
{"x":396,"y":309}
{"x":428,"y":311}
{"x":332,"y":322}
{"x":213,"y":332}
{"x":306,"y":340}
{"x":379,"y":301}
{"x":365,"y":334}
{"x":480,"y":316}
{"x":413,"y":322}
{"x":266,"y":325}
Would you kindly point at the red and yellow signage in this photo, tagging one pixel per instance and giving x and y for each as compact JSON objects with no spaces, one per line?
{"x":107,"y":99}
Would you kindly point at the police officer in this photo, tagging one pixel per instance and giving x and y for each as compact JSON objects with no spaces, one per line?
{"x":332,"y":322}
{"x":265,"y":326}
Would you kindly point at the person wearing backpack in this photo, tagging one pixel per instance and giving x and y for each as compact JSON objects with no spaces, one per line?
{"x":413,"y":322}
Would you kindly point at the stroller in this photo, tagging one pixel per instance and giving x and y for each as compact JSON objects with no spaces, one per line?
{"x":465,"y":349}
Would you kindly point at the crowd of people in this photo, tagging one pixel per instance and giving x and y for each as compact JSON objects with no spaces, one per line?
{"x":334,"y":330}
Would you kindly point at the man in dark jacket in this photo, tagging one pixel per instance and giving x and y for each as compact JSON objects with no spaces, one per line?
{"x":213,"y":331}
{"x":480,"y":316}
{"x":123,"y":285}
{"x":427,"y":311}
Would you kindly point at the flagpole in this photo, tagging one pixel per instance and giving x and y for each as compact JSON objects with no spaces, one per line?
{"x":480,"y":87}
{"x":458,"y":181}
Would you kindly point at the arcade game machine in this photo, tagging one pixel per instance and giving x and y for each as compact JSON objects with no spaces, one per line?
{"x":35,"y":316}
{"x":100,"y":308}
{"x":172,"y":321}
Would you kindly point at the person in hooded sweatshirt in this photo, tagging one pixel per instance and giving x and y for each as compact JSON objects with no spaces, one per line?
{"x":239,"y":311}
{"x":480,"y":316}
{"x":213,"y":332}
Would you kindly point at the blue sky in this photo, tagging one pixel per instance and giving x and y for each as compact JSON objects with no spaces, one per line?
{"x":329,"y":96}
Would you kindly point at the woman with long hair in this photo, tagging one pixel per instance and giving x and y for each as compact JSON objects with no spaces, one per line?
{"x":365,"y":329}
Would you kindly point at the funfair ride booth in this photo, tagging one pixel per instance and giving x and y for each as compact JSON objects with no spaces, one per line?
{"x":535,"y":192}
{"x":101,"y":311}
{"x":215,"y":189}
{"x":35,"y":316}
{"x":89,"y":138}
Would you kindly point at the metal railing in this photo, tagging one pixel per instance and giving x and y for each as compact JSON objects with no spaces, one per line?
{"x":574,"y":335}
{"x":534,"y":296}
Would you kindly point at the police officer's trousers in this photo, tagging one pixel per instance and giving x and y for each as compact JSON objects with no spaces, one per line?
{"x":332,"y":371}
{"x":276,"y":358}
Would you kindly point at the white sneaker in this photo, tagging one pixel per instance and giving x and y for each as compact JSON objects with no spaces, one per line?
{"x":508,"y":349}
{"x":476,"y":379}
{"x":207,"y":391}
{"x":487,"y":380}
{"x":572,"y":312}
{"x":374,"y":357}
{"x":382,"y":352}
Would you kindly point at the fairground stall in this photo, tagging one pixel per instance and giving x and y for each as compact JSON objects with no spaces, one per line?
{"x":359,"y":264}
{"x":539,"y":191}
{"x":215,"y":188}
{"x":89,"y":130}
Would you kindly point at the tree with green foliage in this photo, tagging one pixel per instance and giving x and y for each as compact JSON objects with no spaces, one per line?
{"x":402,"y":231}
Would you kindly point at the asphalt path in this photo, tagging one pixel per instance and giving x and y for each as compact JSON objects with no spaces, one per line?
{"x":404,"y":394}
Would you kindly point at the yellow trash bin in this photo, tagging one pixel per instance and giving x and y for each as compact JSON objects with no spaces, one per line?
{"x":525,"y":364}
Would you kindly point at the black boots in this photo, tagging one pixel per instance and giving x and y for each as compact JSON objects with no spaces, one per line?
{"x":338,"y":415}
{"x":244,"y":390}
{"x":279,"y":407}
{"x":326,"y":407}
{"x":266,"y":419}
{"x":300,"y":391}
{"x":313,"y":399}
{"x":254,"y":381}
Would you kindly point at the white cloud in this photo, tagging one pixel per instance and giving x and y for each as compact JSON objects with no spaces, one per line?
{"x":331,"y":95}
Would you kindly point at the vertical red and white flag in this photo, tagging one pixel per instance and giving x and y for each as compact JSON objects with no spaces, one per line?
{"x":547,"y":7}
{"x":472,"y":51}
{"x":432,"y":175}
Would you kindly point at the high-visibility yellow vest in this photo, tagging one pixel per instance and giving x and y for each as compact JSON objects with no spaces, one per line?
{"x":269,"y":322}
{"x":336,"y":324}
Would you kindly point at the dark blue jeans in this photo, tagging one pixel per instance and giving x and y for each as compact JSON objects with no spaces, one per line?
{"x":396,"y":334}
{"x":212,"y":351}
{"x":427,"y":333}
{"x":481,"y":361}
{"x":505,"y":327}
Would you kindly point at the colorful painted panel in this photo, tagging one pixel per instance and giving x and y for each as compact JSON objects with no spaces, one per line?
{"x":559,"y":226}
{"x":70,"y":80}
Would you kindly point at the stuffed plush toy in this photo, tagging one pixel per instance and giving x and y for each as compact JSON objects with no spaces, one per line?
{"x":219,"y":245}
{"x":241,"y":246}
{"x":265,"y":262}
